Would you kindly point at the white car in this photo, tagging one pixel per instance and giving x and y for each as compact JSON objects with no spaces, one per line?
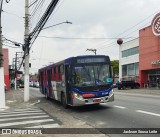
{"x":37,"y":84}
{"x":31,"y":84}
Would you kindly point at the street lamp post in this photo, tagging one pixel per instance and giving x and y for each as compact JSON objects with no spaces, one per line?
{"x":120,"y":42}
{"x":57,"y":24}
{"x":1,"y":54}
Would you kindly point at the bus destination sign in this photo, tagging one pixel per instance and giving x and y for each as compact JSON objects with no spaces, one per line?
{"x":90,"y":60}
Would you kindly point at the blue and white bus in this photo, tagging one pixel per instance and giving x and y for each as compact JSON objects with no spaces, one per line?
{"x":78,"y":81}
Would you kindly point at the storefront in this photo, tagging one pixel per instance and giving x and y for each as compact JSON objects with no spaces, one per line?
{"x":149,"y":54}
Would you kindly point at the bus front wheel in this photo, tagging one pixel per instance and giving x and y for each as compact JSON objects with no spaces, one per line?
{"x":63,"y":100}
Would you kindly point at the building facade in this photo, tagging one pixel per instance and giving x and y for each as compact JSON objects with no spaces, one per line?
{"x":140,"y":58}
{"x":149,"y":57}
{"x":129,"y":60}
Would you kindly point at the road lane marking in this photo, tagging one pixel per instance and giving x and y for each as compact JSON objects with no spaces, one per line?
{"x":120,"y":107}
{"x":31,"y":108}
{"x":149,"y":113}
{"x":25,"y":122}
{"x":23,"y":109}
{"x":18,"y":118}
{"x":32,"y":117}
{"x":21,"y":114}
{"x":45,"y":126}
{"x":18,"y":112}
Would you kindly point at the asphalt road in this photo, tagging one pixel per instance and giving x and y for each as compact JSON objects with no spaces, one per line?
{"x":133,"y":110}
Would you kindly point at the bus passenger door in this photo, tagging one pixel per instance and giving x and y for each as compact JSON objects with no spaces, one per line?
{"x":49,"y":82}
{"x":68,"y":83}
{"x":41,"y":82}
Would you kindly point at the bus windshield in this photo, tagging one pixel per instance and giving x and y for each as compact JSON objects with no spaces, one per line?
{"x":91,"y":75}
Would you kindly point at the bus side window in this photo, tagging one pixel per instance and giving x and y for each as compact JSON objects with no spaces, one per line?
{"x":54,"y":71}
{"x":62,"y":69}
{"x":67,"y":74}
{"x":59,"y":73}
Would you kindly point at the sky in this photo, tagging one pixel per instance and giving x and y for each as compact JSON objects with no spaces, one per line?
{"x":96,"y":24}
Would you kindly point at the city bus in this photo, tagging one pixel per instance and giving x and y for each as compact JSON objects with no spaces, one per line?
{"x":78,"y":81}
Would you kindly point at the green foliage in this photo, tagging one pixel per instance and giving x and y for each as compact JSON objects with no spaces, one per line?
{"x":115,"y":66}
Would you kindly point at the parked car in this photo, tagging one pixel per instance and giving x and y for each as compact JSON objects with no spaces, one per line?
{"x":127,"y":84}
{"x":21,"y":85}
{"x":31,"y":84}
{"x":36,"y":84}
{"x":17,"y":84}
{"x":115,"y":85}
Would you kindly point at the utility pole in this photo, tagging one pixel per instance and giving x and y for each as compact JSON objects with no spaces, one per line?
{"x":15,"y":74}
{"x":26,"y":53}
{"x":31,"y":37}
{"x":2,"y":92}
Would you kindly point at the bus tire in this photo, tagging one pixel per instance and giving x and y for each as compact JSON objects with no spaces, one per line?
{"x":63,"y":101}
{"x":119,"y":88}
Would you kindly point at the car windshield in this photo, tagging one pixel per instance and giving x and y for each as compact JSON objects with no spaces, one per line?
{"x":90,"y":75}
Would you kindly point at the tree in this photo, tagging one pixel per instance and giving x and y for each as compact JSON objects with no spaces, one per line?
{"x":115,"y":66}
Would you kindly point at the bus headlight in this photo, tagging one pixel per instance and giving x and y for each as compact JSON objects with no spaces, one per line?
{"x":78,"y":96}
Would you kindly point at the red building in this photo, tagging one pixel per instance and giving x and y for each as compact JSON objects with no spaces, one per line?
{"x":6,"y":68}
{"x":149,"y":53}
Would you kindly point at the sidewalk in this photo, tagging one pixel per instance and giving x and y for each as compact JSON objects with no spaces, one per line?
{"x":14,"y":100}
{"x":150,"y":91}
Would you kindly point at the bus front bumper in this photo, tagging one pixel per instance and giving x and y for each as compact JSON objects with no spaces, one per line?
{"x":89,"y":101}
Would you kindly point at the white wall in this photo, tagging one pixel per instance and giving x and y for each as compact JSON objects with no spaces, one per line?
{"x":130,"y":59}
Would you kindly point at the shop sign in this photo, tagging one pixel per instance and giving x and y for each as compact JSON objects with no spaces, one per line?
{"x":155,"y":63}
{"x":156,"y":25}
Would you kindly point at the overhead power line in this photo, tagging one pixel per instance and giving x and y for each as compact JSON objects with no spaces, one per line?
{"x":13,"y":14}
{"x":39,"y":4}
{"x":90,"y":38}
{"x":34,"y":34}
{"x":33,"y":3}
{"x":125,"y":32}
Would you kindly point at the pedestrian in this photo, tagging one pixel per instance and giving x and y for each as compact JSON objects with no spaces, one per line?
{"x":148,"y":83}
{"x":12,"y":83}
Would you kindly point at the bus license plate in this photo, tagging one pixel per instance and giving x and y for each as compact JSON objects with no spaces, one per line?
{"x":97,"y":100}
